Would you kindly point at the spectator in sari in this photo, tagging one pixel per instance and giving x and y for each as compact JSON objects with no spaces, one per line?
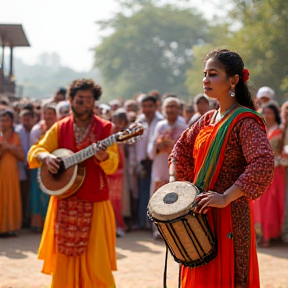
{"x":10,"y":198}
{"x":39,"y":200}
{"x":284,"y":126}
{"x":120,"y":123}
{"x":269,"y":208}
{"x":23,"y":129}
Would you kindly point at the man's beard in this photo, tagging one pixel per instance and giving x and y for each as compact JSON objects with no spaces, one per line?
{"x":81,"y":116}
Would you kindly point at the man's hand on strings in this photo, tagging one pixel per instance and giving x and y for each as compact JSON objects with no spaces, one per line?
{"x":101,"y":155}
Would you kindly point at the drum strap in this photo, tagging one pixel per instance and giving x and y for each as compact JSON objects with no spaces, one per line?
{"x":165,"y":271}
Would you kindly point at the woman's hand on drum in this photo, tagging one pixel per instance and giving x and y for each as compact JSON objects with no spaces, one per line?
{"x":210,"y":199}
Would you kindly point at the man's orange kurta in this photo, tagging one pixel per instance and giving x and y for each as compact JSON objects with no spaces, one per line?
{"x":94,"y":267}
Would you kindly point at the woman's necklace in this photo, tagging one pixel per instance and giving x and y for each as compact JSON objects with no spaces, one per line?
{"x":226,"y":112}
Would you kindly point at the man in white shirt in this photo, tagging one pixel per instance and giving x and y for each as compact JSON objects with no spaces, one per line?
{"x":144,"y":164}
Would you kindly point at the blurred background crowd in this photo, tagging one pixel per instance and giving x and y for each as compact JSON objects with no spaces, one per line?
{"x":143,"y":166}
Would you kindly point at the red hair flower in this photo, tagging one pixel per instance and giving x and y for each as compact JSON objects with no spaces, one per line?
{"x":246,"y":74}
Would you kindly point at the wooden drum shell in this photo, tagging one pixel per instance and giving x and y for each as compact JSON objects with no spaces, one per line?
{"x":187,"y":235}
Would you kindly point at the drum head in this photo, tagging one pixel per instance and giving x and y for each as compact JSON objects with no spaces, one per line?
{"x":172,"y":200}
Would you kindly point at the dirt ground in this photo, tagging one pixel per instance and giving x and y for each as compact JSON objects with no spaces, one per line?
{"x":140,"y":263}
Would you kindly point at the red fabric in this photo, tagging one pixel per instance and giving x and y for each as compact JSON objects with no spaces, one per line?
{"x":116,"y":189}
{"x":269,"y":209}
{"x":73,"y":225}
{"x":221,"y":269}
{"x":218,"y":273}
{"x":95,"y":186}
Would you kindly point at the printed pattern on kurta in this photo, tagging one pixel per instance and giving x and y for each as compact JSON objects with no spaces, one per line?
{"x":73,"y":225}
{"x":248,"y":163}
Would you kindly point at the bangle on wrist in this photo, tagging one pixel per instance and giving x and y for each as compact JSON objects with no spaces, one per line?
{"x":172,"y":178}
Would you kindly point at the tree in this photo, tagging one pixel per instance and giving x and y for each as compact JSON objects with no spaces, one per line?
{"x":262,"y":43}
{"x":150,"y":48}
{"x":40,"y":81}
{"x":219,"y":38}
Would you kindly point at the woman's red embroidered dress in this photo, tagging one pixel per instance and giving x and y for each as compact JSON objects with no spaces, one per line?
{"x":247,"y":162}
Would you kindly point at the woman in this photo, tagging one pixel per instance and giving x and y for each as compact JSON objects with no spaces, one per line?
{"x":39,"y":200}
{"x":120,"y":123}
{"x":226,"y":153}
{"x":10,"y":199}
{"x":284,"y":124}
{"x":269,"y":209}
{"x":202,"y":105}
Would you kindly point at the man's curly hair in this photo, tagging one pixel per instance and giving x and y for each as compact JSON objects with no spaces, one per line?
{"x":84,"y":84}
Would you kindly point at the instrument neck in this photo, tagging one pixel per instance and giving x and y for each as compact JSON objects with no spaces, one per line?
{"x":88,"y":152}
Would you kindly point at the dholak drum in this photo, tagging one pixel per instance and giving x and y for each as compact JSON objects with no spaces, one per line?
{"x":187,"y":235}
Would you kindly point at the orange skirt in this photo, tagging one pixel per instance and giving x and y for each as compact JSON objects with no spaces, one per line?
{"x":94,"y":267}
{"x":219,"y":273}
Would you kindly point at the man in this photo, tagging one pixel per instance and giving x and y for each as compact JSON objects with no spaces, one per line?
{"x":166,"y":133}
{"x":60,"y":95}
{"x":144,"y":164}
{"x":201,"y":103}
{"x":27,"y":122}
{"x":264,"y":95}
{"x":78,"y":248}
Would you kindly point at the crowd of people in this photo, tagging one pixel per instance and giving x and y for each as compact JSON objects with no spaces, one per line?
{"x":29,"y":130}
{"x":142,"y":167}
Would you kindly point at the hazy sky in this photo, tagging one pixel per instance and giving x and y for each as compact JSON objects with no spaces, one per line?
{"x":66,"y":27}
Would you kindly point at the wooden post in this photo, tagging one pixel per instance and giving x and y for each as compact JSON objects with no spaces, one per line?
{"x":2,"y":70}
{"x":11,"y":64}
{"x":2,"y":60}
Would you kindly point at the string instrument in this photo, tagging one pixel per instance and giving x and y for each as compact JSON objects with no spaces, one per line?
{"x":70,"y":175}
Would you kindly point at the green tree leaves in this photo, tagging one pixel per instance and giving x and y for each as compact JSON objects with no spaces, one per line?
{"x":151,"y":49}
{"x":158,"y":46}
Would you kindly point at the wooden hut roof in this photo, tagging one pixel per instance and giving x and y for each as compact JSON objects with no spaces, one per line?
{"x":12,"y":35}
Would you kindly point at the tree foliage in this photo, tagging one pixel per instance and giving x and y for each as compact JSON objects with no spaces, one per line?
{"x":219,"y":38}
{"x":150,"y":48}
{"x":257,"y":31}
{"x":262,"y":43}
{"x":41,"y":81}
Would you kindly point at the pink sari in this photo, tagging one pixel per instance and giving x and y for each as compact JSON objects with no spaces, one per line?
{"x":269,"y":208}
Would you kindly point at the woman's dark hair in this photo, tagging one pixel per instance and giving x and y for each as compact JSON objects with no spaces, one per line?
{"x":120,"y":115}
{"x":84,"y":84}
{"x":199,"y":97}
{"x":275,"y":109}
{"x":149,"y":98}
{"x":8,"y":113}
{"x":51,"y":106}
{"x":233,"y":64}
